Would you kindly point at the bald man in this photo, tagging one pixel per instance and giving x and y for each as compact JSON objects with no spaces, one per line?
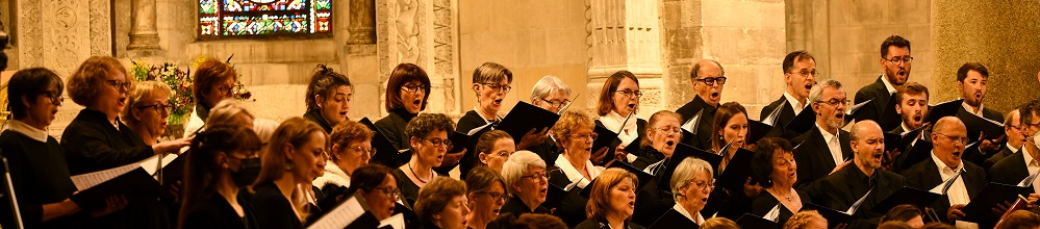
{"x":843,"y":188}
{"x":707,"y":78}
{"x":948,"y":137}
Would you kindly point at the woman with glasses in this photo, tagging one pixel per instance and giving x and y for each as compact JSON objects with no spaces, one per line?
{"x":222,"y":159}
{"x":443,"y":204}
{"x":428,"y":135}
{"x":612,"y":201}
{"x":495,"y":147}
{"x":527,"y":182}
{"x":296,"y":150}
{"x":486,"y":195}
{"x":149,"y":110}
{"x":96,"y":140}
{"x":730,"y":127}
{"x":407,"y":92}
{"x":660,"y":143}
{"x":351,"y":149}
{"x":691,"y":186}
{"x":328,"y":98}
{"x":552,"y":94}
{"x":39,"y":174}
{"x":774,"y":166}
{"x":378,"y":186}
{"x":214,"y":82}
{"x":575,"y":134}
{"x":619,"y":99}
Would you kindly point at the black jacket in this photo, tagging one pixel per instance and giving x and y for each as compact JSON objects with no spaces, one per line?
{"x":701,"y":139}
{"x":393,"y":127}
{"x":39,"y":176}
{"x":471,"y":120}
{"x":785,"y":116}
{"x":316,"y":117}
{"x":843,"y":188}
{"x":765,"y":202}
{"x":1010,"y":171}
{"x":272,"y":209}
{"x":973,"y":154}
{"x":876,"y":108}
{"x":814,"y":157}
{"x":517,"y":207}
{"x":216,"y":213}
{"x":651,"y":201}
{"x":1003,"y":153}
{"x":925,"y":176}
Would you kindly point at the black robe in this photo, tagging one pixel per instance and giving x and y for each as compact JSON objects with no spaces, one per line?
{"x":273,"y":209}
{"x":39,"y":176}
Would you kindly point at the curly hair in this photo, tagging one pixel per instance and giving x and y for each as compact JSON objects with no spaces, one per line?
{"x":436,"y":195}
{"x":85,"y":81}
{"x":803,"y":219}
{"x":423,"y":124}
{"x":762,"y":161}
{"x":570,"y":121}
{"x":346,"y":132}
{"x":323,"y":83}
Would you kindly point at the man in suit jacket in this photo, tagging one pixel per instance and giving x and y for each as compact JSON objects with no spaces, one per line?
{"x":800,"y":75}
{"x":826,"y":146}
{"x":1015,"y":139}
{"x":895,"y":61}
{"x":912,"y":107}
{"x":971,"y":81}
{"x":707,"y":76}
{"x":1012,"y":169}
{"x":843,"y":188}
{"x":949,"y":137}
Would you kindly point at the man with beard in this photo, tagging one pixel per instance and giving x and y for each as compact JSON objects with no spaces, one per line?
{"x":1012,"y":169}
{"x":971,"y":81}
{"x":948,"y":137}
{"x":825,"y":147}
{"x":845,"y":187}
{"x":707,"y":78}
{"x":1015,"y":138}
{"x":800,"y":75}
{"x":895,"y":61}
{"x":912,"y":107}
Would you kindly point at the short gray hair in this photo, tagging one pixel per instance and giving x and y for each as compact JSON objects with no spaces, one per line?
{"x":817,"y":91}
{"x":548,"y":85}
{"x":685,"y":172}
{"x":518,"y":164}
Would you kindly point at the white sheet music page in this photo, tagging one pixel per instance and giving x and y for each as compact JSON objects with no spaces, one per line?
{"x":340,"y":217}
{"x":395,"y":221}
{"x":691,"y":124}
{"x":88,"y":180}
{"x":149,"y":164}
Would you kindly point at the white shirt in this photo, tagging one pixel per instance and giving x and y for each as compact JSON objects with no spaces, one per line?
{"x":888,"y":85}
{"x":612,"y":121}
{"x":958,"y":193}
{"x":1031,"y":165}
{"x":970,"y":109}
{"x":572,"y":173}
{"x":833,"y":145}
{"x":699,"y":220}
{"x":27,"y":130}
{"x":1012,"y":148}
{"x":194,"y":123}
{"x":795,"y":103}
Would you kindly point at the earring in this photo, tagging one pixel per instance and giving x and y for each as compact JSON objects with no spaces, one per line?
{"x":289,"y":165}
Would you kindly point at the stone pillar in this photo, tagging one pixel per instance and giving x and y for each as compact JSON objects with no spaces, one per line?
{"x":424,"y":33}
{"x":624,"y":35}
{"x":144,"y":35}
{"x":1000,"y":35}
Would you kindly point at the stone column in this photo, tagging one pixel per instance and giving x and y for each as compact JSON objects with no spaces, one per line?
{"x":1000,"y":35}
{"x":144,"y":35}
{"x":624,"y":35}
{"x":424,"y":33}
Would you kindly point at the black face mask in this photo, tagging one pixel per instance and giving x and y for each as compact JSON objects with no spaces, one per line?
{"x":247,"y":172}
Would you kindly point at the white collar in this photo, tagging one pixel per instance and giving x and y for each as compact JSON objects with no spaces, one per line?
{"x":795,"y":103}
{"x":612,"y":121}
{"x":27,"y":130}
{"x":888,"y":85}
{"x":968,"y":108}
{"x":827,"y":136}
{"x":699,"y":220}
{"x":1025,"y":155}
{"x":1013,"y":149}
{"x":333,"y":175}
{"x":572,"y":173}
{"x":942,"y":165}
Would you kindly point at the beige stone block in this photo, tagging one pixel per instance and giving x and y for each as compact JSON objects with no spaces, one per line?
{"x":848,"y":39}
{"x":907,"y":12}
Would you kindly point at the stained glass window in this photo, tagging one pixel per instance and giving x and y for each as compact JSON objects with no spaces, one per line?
{"x":264,"y":18}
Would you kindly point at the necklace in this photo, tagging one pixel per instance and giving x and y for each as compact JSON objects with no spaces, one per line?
{"x":420,"y":179}
{"x":788,"y":196}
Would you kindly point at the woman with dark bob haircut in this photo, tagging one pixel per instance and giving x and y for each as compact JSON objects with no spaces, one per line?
{"x":377,"y":184}
{"x":407,"y":92}
{"x":774,"y":166}
{"x":97,"y":140}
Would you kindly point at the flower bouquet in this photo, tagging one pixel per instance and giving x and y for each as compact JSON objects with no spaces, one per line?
{"x":179,"y":80}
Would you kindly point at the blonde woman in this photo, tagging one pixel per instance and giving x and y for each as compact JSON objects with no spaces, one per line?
{"x":296,"y":150}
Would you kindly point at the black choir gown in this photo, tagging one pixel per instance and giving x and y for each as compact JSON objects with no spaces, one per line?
{"x":39,"y":176}
{"x":393,"y":127}
{"x":217,"y":213}
{"x":273,"y":209}
{"x":765,"y":202}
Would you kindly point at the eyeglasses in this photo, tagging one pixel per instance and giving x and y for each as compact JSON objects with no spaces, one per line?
{"x":669,"y":130}
{"x":497,"y":196}
{"x":814,"y":73}
{"x":1028,"y":125}
{"x":897,"y":60}
{"x":119,"y":84}
{"x":630,"y":93}
{"x":440,"y":142}
{"x":556,"y":104}
{"x":228,"y":90}
{"x":56,"y":98}
{"x":359,"y":151}
{"x":590,"y":136}
{"x":390,"y":192}
{"x":159,"y":108}
{"x":248,"y":155}
{"x":537,"y":176}
{"x":960,"y":139}
{"x":504,"y":88}
{"x":711,"y":81}
{"x":703,"y":185}
{"x":836,"y":102}
{"x":414,"y":88}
